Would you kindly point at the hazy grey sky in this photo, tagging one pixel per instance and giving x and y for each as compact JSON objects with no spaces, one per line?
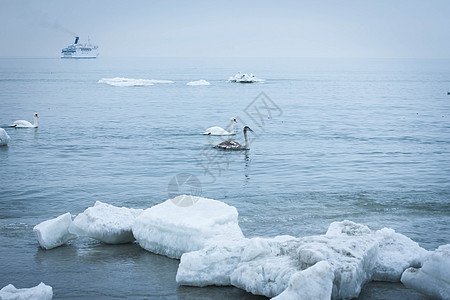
{"x":255,"y":28}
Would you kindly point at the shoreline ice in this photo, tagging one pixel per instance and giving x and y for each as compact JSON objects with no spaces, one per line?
{"x":207,"y":239}
{"x":433,"y":278}
{"x":172,"y":230}
{"x":106,"y":223}
{"x":265,"y":266}
{"x":55,"y":232}
{"x":39,"y":292}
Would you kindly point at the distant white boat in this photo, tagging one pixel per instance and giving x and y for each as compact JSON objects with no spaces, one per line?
{"x":77,"y":50}
{"x":244,"y":78}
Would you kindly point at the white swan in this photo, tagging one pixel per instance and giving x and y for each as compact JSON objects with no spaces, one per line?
{"x":219,"y":130}
{"x":4,"y":137}
{"x":233,"y":145}
{"x":25,"y":124}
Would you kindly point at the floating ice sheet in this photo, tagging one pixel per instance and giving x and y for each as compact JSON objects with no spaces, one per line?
{"x":198,"y":82}
{"x":123,"y":82}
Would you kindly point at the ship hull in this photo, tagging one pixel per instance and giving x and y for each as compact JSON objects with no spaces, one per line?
{"x":78,"y":57}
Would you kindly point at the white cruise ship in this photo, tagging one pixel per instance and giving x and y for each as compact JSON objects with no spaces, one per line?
{"x":80,"y":50}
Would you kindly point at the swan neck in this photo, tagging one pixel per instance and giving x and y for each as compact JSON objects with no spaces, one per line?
{"x":231,"y":126}
{"x":35,"y":121}
{"x":246,"y":139}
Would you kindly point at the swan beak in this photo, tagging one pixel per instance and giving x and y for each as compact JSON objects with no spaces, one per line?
{"x":235,"y":120}
{"x":250,"y":129}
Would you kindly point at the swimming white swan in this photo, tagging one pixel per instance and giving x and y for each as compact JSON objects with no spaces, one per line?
{"x":4,"y":137}
{"x":219,"y":130}
{"x":233,"y":145}
{"x":25,"y":124}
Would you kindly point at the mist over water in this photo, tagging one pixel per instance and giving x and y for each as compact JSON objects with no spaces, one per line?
{"x":363,"y":140}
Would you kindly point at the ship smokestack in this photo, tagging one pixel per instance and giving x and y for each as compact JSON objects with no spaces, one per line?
{"x":76,"y":40}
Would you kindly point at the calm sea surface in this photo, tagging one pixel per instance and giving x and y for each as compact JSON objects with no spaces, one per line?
{"x":363,"y":140}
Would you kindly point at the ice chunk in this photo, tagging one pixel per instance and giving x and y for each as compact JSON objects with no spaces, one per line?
{"x":433,"y":279}
{"x":198,"y":82}
{"x":106,"y":223}
{"x":396,"y":253}
{"x":314,"y":283}
{"x":123,"y":82}
{"x":347,"y":228}
{"x":39,"y":292}
{"x":55,"y":232}
{"x":265,"y":266}
{"x":211,"y":265}
{"x":172,"y":230}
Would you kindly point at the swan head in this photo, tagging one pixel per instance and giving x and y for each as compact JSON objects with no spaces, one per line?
{"x":233,"y":119}
{"x":246,"y":128}
{"x":36,"y":115}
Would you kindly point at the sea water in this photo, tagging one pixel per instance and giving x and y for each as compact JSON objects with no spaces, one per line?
{"x":365,"y":140}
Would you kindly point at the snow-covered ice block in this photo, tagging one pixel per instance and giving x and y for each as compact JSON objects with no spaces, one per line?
{"x":211,"y":265}
{"x":198,"y":82}
{"x":347,"y":228}
{"x":39,"y":292}
{"x":107,"y":223}
{"x":265,"y":266}
{"x":314,"y":283}
{"x":172,"y":230}
{"x":396,"y":253}
{"x":55,"y":232}
{"x":433,"y":279}
{"x":352,"y":259}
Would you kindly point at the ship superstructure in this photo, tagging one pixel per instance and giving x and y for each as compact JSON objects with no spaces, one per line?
{"x":77,"y":50}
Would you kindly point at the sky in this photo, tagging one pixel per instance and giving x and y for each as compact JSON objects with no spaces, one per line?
{"x":253,"y":28}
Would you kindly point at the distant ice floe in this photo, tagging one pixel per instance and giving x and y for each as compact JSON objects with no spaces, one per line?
{"x":121,"y":81}
{"x":198,"y":82}
{"x":433,"y":279}
{"x":244,"y":78}
{"x":39,"y":292}
{"x":206,"y":236}
{"x":55,"y":232}
{"x":172,"y":230}
{"x":106,"y":223}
